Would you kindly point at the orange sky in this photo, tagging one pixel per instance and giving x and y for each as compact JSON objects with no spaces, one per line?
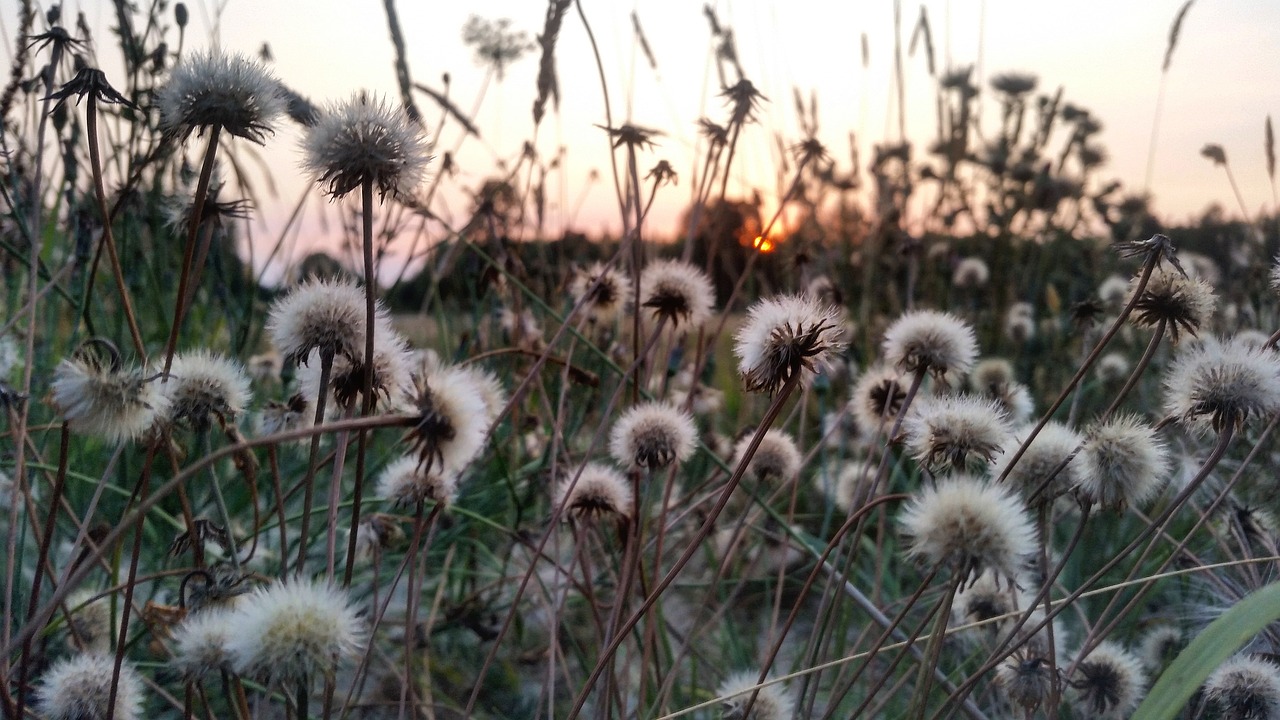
{"x":1107,"y":55}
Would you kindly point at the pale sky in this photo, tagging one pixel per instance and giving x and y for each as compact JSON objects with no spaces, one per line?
{"x":1107,"y":55}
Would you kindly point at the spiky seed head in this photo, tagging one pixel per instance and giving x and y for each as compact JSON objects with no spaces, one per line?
{"x":378,"y":532}
{"x":1108,"y":683}
{"x":1159,"y":646}
{"x":776,"y":461}
{"x":970,"y":272}
{"x":603,"y":291}
{"x":363,"y":139}
{"x":279,"y":416}
{"x":79,"y":688}
{"x":877,"y":399}
{"x":652,"y":435}
{"x":290,"y":631}
{"x":1223,"y":383}
{"x":1053,"y":446}
{"x":930,"y":341}
{"x":200,"y":643}
{"x":1026,"y":678}
{"x":970,"y":525}
{"x":677,"y":292}
{"x":323,"y":315}
{"x":1184,"y":304}
{"x":392,"y":383}
{"x":203,"y":387}
{"x":492,"y":395}
{"x":955,"y":432}
{"x":823,"y":289}
{"x":408,"y":481}
{"x":210,"y":88}
{"x":1245,"y":687}
{"x":790,"y":336}
{"x":984,"y":599}
{"x":599,"y":491}
{"x":1121,"y":463}
{"x":452,"y":419}
{"x":102,"y":399}
{"x":772,"y":701}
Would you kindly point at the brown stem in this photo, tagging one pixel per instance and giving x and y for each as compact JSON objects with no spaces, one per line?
{"x":193,"y":224}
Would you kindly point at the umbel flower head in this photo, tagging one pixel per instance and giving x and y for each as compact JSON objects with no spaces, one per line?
{"x":605,"y":290}
{"x":955,"y":431}
{"x":1182,"y":303}
{"x":229,"y":91}
{"x":676,"y":292}
{"x":202,"y":387}
{"x":599,"y":491}
{"x":99,"y":397}
{"x":970,"y":525}
{"x":1223,"y":384}
{"x":323,"y":315}
{"x":772,"y":701}
{"x":1245,"y":687}
{"x":1108,"y":683}
{"x":930,"y":341}
{"x":291,"y":631}
{"x":792,"y":336}
{"x":79,"y":688}
{"x":652,"y":435}
{"x":366,"y":139}
{"x":408,"y":481}
{"x":1121,"y":463}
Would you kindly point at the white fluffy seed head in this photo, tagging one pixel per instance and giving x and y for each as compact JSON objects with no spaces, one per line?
{"x":851,"y":487}
{"x":970,"y":272}
{"x":604,"y":299}
{"x":877,"y":398}
{"x":600,"y":491}
{"x":200,"y":643}
{"x":79,"y":688}
{"x":1051,"y":447}
{"x":452,"y":419}
{"x":677,"y":292}
{"x":930,"y":341}
{"x":772,"y":701}
{"x":1217,"y":384}
{"x":392,"y":382}
{"x":1108,"y":683}
{"x":323,"y":315}
{"x":652,"y":435}
{"x":955,"y":432}
{"x":776,"y":461}
{"x":1243,"y":687}
{"x":1159,"y":646}
{"x":970,"y":525}
{"x":116,"y":404}
{"x":1121,"y":463}
{"x":204,"y":387}
{"x":790,"y":336}
{"x":292,"y":631}
{"x":366,"y":139}
{"x":1183,"y":304}
{"x":407,"y":482}
{"x":231,"y":91}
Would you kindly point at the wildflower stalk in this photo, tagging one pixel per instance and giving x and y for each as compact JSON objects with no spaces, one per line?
{"x":1138,"y":369}
{"x":188,"y":255}
{"x":313,"y":460}
{"x":695,"y":543}
{"x":122,"y":644}
{"x":362,"y":437}
{"x":335,"y":499}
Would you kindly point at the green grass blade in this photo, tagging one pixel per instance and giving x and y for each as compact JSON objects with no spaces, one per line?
{"x":1207,"y":651}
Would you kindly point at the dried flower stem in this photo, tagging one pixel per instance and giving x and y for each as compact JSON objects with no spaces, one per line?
{"x":370,"y":310}
{"x":193,"y":224}
{"x":1138,"y":369}
{"x":313,"y":460}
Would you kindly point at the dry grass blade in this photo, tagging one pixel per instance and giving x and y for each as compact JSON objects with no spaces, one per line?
{"x":402,"y":66}
{"x":1271,"y":150}
{"x":548,"y":82}
{"x":1174,"y":31}
{"x":447,"y":105}
{"x":644,"y":42}
{"x":922,"y":31}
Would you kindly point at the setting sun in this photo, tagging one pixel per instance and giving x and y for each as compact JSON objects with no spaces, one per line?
{"x":763,"y":244}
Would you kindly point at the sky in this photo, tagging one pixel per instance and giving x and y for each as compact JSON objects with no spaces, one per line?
{"x":1221,"y":86}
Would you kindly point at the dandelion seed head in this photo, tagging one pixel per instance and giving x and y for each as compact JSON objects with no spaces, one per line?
{"x":852,"y":486}
{"x":103,"y":400}
{"x":1245,"y":687}
{"x":790,"y":336}
{"x":1019,"y":328}
{"x":1122,"y":463}
{"x":327,"y":316}
{"x":1218,"y":384}
{"x":231,"y":91}
{"x":776,"y":461}
{"x":652,"y":435}
{"x":452,"y":419}
{"x":1050,"y":448}
{"x":772,"y":701}
{"x":204,"y":386}
{"x":1026,"y":679}
{"x":1159,"y":646}
{"x":1108,"y":683}
{"x":291,"y":631}
{"x":983,"y":599}
{"x":1113,"y":367}
{"x":392,"y":382}
{"x":79,"y":688}
{"x":930,"y":341}
{"x":970,"y":272}
{"x":1113,"y":291}
{"x":825,"y":290}
{"x":955,"y":431}
{"x":1184,"y":304}
{"x":90,"y":621}
{"x":600,"y":491}
{"x":278,"y":416}
{"x":605,"y":289}
{"x":366,"y":139}
{"x":877,"y":399}
{"x":200,"y":643}
{"x":407,"y":482}
{"x":677,"y":292}
{"x":970,"y":525}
